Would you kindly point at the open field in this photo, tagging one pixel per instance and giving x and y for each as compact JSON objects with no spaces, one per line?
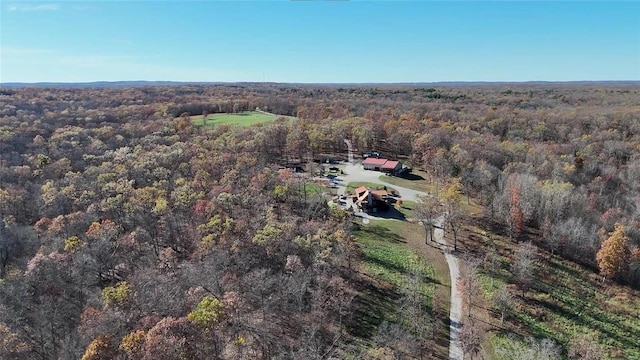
{"x":406,"y":208}
{"x":566,"y":300}
{"x":393,"y":254}
{"x":241,"y":119}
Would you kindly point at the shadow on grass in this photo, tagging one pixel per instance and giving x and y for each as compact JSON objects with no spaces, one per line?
{"x":398,"y":268}
{"x":391,"y":214}
{"x":373,"y":305}
{"x":574,"y":308}
{"x":380,"y":233}
{"x":410,"y":176}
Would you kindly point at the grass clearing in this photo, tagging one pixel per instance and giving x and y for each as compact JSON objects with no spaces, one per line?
{"x":406,"y":208}
{"x":411,"y":181}
{"x":565,"y":301}
{"x":241,"y":119}
{"x":420,"y":182}
{"x":393,"y":250}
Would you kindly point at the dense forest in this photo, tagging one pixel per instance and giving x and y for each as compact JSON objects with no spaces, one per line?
{"x":128,"y":232}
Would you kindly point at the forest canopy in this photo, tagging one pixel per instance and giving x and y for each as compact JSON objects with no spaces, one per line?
{"x":126,"y":231}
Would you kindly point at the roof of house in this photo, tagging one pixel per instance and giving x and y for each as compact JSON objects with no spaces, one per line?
{"x":390,"y":164}
{"x":362,"y":198}
{"x":360,"y":190}
{"x":374,"y":161}
{"x":379,"y":194}
{"x":376,"y":194}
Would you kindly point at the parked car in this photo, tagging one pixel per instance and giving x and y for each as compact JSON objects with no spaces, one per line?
{"x":373,"y":154}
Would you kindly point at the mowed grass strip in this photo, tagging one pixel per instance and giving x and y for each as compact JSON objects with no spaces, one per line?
{"x":240,"y":119}
{"x":392,"y":252}
{"x":417,"y":180}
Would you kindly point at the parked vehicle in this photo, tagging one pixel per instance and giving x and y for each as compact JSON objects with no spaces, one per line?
{"x":373,"y":154}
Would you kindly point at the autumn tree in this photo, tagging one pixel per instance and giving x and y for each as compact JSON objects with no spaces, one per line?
{"x":585,"y":347}
{"x":4,"y":248}
{"x":614,"y":254}
{"x":516,"y":216}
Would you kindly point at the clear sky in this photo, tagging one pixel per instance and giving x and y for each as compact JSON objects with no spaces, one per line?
{"x":319,"y":41}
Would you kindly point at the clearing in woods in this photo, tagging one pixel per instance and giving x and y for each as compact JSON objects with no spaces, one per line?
{"x":241,"y":119}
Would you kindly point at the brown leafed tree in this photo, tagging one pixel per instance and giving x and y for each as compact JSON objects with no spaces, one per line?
{"x":503,"y":301}
{"x":468,"y":280}
{"x":614,"y":254}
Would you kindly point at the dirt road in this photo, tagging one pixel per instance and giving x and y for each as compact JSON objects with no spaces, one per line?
{"x":455,"y":312}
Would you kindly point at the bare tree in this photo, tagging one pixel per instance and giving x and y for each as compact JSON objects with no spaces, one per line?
{"x":471,"y":336}
{"x":503,"y":301}
{"x":531,"y":349}
{"x":523,"y":267}
{"x":427,"y":209}
{"x":585,"y":347}
{"x":468,"y":280}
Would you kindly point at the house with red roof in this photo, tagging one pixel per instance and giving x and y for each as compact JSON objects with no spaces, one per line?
{"x":385,"y":165}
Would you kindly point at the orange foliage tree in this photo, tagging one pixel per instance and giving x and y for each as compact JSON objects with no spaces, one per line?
{"x":613,"y":256}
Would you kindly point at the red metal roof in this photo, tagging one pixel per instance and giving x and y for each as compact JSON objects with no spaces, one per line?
{"x":390,"y":164}
{"x":374,"y":161}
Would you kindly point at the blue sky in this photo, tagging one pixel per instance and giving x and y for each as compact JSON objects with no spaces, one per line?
{"x":319,"y":41}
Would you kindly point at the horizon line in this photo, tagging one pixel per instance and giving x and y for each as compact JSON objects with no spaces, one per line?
{"x":178,"y":82}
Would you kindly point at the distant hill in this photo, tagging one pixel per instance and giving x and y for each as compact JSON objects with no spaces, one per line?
{"x":97,"y":84}
{"x":136,"y":83}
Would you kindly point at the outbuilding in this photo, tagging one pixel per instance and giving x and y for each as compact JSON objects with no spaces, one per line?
{"x":372,"y":163}
{"x":392,"y":167}
{"x":389,"y":166}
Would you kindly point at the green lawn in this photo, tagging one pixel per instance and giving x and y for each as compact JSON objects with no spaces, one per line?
{"x":418,"y":182}
{"x":315,"y":189}
{"x":401,"y":270}
{"x":406,"y":208}
{"x":241,"y":119}
{"x":386,"y":258}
